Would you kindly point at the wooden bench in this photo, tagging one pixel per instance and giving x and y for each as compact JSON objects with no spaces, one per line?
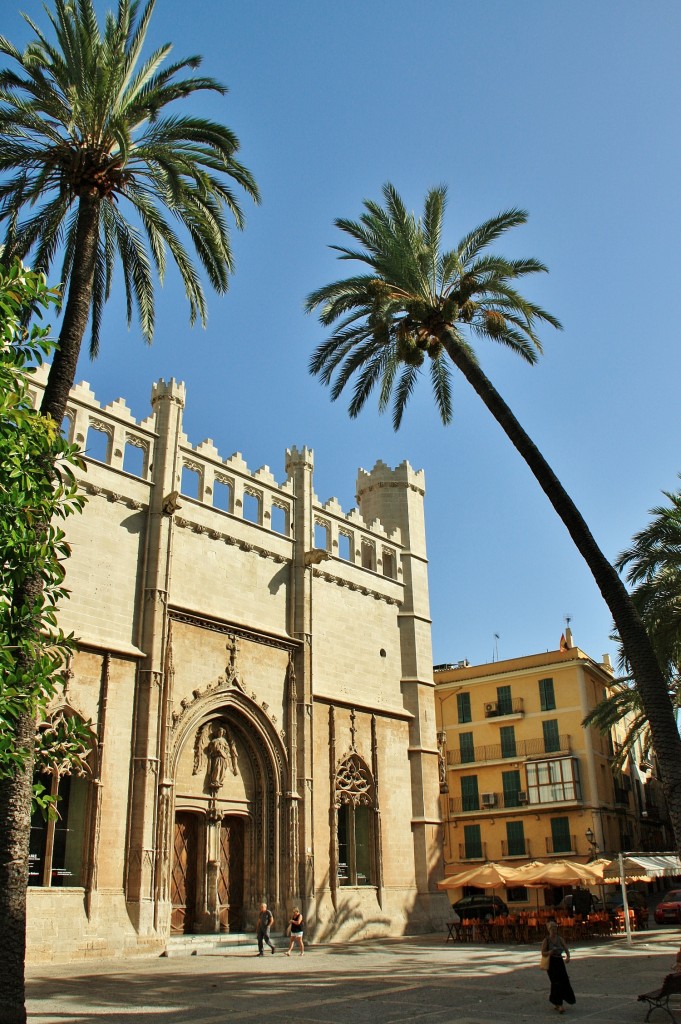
{"x":659,"y":997}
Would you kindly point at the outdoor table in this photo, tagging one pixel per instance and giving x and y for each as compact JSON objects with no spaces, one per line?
{"x":453,"y":931}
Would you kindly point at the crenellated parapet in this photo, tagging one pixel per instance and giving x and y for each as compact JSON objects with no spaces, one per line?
{"x":212,"y":489}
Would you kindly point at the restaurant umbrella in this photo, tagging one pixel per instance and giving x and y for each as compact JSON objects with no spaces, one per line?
{"x":538,"y":874}
{"x":558,"y":872}
{"x":485,"y":876}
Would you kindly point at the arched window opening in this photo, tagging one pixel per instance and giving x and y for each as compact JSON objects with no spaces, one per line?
{"x":135,"y":459}
{"x":356,"y":833}
{"x":252,"y":507}
{"x":223,"y":494}
{"x":56,"y":853}
{"x":368,"y":555}
{"x":344,"y":546}
{"x":191,"y":481}
{"x":98,"y":444}
{"x":322,"y":535}
{"x":280,"y":519}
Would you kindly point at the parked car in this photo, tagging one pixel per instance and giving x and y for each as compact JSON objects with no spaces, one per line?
{"x":479,"y":907}
{"x":669,"y":907}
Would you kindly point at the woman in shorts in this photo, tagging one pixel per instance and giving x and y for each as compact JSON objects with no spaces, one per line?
{"x":296,"y":931}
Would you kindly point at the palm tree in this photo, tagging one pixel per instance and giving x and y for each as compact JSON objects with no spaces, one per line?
{"x":418,"y":302}
{"x":85,"y":137}
{"x":96,"y":169}
{"x":653,"y":566}
{"x":621,"y":707}
{"x":653,"y":561}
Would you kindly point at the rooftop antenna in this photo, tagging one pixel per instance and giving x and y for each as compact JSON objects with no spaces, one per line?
{"x":496,"y":647}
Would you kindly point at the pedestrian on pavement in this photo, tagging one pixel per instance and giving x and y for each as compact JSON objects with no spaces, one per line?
{"x":295,"y":930}
{"x":554,"y":946}
{"x":265,"y":922}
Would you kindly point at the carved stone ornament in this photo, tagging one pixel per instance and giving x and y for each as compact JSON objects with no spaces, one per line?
{"x":220,"y":752}
{"x":354,"y":784}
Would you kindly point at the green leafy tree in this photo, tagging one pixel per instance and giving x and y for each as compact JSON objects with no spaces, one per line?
{"x":419,"y":304}
{"x":99,"y":169}
{"x":37,"y":491}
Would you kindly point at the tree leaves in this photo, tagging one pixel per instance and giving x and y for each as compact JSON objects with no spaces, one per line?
{"x":37,"y":488}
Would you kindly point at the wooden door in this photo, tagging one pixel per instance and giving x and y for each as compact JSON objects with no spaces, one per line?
{"x":183,"y":878}
{"x":231,"y":874}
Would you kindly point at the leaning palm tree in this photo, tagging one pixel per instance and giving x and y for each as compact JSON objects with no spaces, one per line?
{"x":97,"y":170}
{"x":420,"y":304}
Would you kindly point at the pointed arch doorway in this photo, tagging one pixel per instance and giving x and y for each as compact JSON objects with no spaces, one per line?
{"x":227,"y":840}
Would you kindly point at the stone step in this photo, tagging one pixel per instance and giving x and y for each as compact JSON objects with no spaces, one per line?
{"x":196,"y":945}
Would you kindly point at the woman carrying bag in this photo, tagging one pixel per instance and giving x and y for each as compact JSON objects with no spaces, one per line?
{"x":552,"y":949}
{"x":295,"y":930}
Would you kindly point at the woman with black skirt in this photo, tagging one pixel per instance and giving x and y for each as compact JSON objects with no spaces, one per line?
{"x":554,"y":947}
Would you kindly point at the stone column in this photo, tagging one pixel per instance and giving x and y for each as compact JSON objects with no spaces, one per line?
{"x":168,"y":402}
{"x":299,"y":467}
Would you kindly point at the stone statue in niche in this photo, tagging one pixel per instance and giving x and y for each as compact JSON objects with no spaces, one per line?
{"x":222,"y":756}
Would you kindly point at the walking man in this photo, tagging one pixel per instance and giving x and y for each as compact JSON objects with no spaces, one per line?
{"x":265,"y":922}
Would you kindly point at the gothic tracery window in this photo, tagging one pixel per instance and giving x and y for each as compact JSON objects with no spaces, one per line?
{"x":56,"y":853}
{"x":355,"y":808}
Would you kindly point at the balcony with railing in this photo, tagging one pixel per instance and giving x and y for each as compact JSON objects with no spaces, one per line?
{"x":472,"y":851}
{"x":504,"y":708}
{"x":564,"y":846}
{"x":537,"y":747}
{"x":518,"y":848}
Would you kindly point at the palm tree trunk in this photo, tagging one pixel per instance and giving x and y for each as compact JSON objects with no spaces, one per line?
{"x":650,"y":681}
{"x":16,"y":791}
{"x":76,"y":314}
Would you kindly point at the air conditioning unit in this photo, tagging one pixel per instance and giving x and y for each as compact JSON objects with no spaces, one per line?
{"x":489,"y":799}
{"x":523,"y":798}
{"x":490,"y":709}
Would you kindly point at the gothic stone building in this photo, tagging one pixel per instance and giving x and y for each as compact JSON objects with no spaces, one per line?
{"x":254,"y":668}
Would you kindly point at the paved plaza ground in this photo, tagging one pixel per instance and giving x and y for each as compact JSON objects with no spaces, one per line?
{"x":418,"y":979}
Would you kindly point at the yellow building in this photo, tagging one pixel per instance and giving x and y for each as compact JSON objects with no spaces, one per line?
{"x":520,"y":777}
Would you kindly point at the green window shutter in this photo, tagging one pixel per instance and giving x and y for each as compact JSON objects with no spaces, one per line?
{"x":472,"y":841}
{"x":504,"y":701}
{"x":560,"y":834}
{"x":463,"y":706}
{"x":547,"y":694}
{"x":547,"y":697}
{"x":511,"y":784}
{"x":507,"y":736}
{"x":551,"y":737}
{"x":470,"y":800}
{"x":466,"y":748}
{"x":515,"y":835}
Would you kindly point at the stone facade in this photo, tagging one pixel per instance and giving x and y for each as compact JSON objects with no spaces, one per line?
{"x":255,"y":668}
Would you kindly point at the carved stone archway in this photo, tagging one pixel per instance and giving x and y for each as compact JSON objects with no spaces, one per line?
{"x":227,"y":724}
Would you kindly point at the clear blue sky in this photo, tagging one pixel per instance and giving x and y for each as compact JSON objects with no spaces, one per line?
{"x":570,"y":110}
